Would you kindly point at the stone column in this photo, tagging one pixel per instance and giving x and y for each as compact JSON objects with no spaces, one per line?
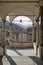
{"x":37,"y":36}
{"x":11,"y":43}
{"x":3,"y":36}
{"x":41,"y":45}
{"x":10,"y":30}
{"x":33,"y":32}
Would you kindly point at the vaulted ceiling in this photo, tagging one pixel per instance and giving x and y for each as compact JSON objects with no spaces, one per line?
{"x":19,"y":7}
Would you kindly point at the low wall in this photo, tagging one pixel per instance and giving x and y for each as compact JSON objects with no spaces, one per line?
{"x":26,"y":45}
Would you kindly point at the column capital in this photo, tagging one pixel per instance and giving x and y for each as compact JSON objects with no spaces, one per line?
{"x":37,"y":20}
{"x":11,"y":18}
{"x":10,"y":23}
{"x":33,"y":23}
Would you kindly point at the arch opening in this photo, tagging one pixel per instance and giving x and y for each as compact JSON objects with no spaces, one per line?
{"x":21,"y":30}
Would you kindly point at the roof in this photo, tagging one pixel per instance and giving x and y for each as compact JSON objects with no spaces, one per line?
{"x":17,"y":31}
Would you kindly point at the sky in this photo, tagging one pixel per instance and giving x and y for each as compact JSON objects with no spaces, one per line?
{"x":25,"y":20}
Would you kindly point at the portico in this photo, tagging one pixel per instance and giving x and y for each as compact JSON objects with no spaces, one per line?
{"x":32,"y":9}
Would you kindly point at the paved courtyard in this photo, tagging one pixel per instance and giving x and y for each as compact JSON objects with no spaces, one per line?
{"x":21,"y":52}
{"x":20,"y":57}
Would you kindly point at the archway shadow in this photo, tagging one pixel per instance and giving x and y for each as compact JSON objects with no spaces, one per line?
{"x":37,"y":60}
{"x":11,"y":61}
{"x":1,"y":63}
{"x":17,"y":50}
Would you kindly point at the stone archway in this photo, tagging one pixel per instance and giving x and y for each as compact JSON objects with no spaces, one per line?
{"x":19,"y":10}
{"x":13,"y":12}
{"x":16,"y":44}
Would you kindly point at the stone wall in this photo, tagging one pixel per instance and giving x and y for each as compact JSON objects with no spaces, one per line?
{"x":25,"y":45}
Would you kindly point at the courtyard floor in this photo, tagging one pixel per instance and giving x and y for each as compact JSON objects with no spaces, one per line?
{"x":20,"y":57}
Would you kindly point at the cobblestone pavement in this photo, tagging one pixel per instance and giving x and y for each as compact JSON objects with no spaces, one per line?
{"x":20,"y":57}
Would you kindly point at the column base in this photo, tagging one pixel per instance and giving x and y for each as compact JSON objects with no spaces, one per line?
{"x":4,"y":50}
{"x":1,"y":51}
{"x":41,"y":52}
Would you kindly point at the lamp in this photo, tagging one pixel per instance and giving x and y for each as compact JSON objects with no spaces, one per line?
{"x":20,"y":21}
